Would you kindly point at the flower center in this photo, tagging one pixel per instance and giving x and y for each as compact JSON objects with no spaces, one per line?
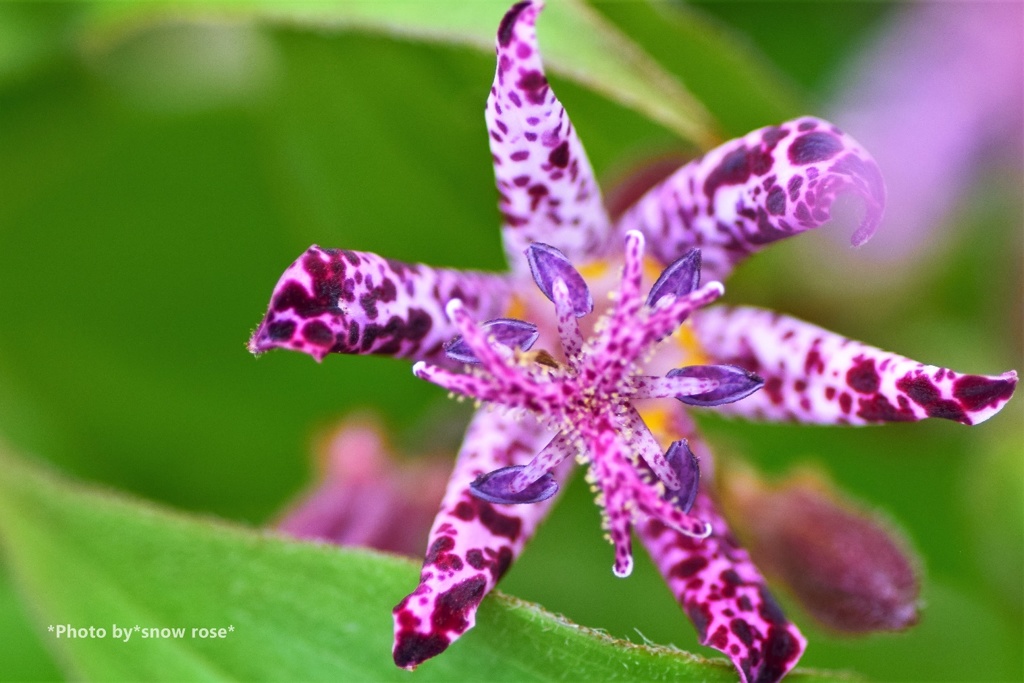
{"x":587,"y":400}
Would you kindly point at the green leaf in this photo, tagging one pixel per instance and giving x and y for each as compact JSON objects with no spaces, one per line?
{"x":719,"y":67}
{"x":90,"y":559}
{"x":578,"y":43}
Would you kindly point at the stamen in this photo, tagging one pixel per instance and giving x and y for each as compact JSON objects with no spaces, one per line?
{"x":682,"y":459}
{"x":644,"y":442}
{"x":557,"y":450}
{"x":568,"y":326}
{"x":508,"y":332}
{"x":646,"y":386}
{"x":679,"y":279}
{"x":496,"y":487}
{"x":547,"y":265}
{"x":628,"y":304}
{"x":588,"y":400}
{"x":734,"y":383}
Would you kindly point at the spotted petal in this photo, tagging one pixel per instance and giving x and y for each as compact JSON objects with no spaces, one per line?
{"x":725,"y":596}
{"x":340,"y":301}
{"x":770,"y":184}
{"x":812,"y":375}
{"x":713,"y":579}
{"x":547,"y":191}
{"x":472,"y":542}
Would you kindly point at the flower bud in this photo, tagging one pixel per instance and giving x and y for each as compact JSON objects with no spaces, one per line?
{"x":846,"y":565}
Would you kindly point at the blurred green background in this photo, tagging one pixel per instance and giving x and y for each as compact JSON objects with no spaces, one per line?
{"x":157,"y":174}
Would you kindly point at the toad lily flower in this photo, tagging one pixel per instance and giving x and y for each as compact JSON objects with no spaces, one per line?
{"x":573,"y":385}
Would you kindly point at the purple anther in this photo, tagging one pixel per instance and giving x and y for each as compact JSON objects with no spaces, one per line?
{"x":680,"y":278}
{"x":681,"y":459}
{"x":515,"y":334}
{"x":548,"y":264}
{"x":734,"y":383}
{"x":496,"y":487}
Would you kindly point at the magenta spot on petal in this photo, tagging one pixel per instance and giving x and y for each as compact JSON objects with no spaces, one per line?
{"x":452,"y":605}
{"x":412,"y":647}
{"x":438,"y":548}
{"x":475,"y":559}
{"x":317,"y":333}
{"x":508,"y":22}
{"x":497,"y":523}
{"x":464,"y":511}
{"x":921,"y":390}
{"x":742,"y":631}
{"x":730,"y":577}
{"x":813,"y":362}
{"x":501,"y":563}
{"x":280,"y":330}
{"x":533,"y":84}
{"x":780,"y":650}
{"x":977,"y":393}
{"x":701,"y":617}
{"x":814,"y":147}
{"x":878,"y":409}
{"x":734,"y":170}
{"x":689,"y":567}
{"x":406,"y":619}
{"x":776,"y":201}
{"x":769,"y":609}
{"x":771,"y":136}
{"x":761,"y":162}
{"x":559,"y":156}
{"x":863,"y":377}
{"x":720,"y":638}
{"x":536,"y":192}
{"x":794,"y":187}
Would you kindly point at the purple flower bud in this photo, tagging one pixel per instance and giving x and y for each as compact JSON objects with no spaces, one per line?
{"x":734,"y":383}
{"x":366,"y":495}
{"x":496,"y":487}
{"x":515,"y":334}
{"x":845,"y":565}
{"x":681,"y":459}
{"x":680,"y":278}
{"x":548,"y":264}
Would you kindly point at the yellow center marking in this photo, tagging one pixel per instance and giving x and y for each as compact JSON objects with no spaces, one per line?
{"x":693,"y":352}
{"x":594,"y":269}
{"x":659,"y":420}
{"x":516,"y":307}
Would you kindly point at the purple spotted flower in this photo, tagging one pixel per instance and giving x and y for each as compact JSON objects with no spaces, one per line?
{"x":594,"y":318}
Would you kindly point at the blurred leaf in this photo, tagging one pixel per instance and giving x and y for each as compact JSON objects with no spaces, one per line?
{"x":718,"y":65}
{"x":23,"y":657}
{"x":960,"y":638}
{"x":158,"y":235}
{"x":298,"y":611}
{"x":789,"y":32}
{"x":576,"y":41}
{"x":994,"y":499}
{"x":31,"y":34}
